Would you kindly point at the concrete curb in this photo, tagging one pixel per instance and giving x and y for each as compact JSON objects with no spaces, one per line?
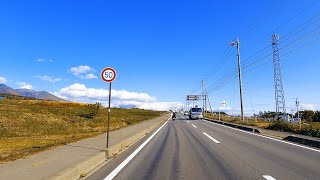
{"x":114,"y":150}
{"x":304,"y":141}
{"x":81,"y":169}
{"x":238,"y":126}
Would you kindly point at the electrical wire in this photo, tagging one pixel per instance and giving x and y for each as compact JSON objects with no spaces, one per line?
{"x":264,"y":56}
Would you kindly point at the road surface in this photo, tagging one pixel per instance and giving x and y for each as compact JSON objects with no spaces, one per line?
{"x":198,"y":149}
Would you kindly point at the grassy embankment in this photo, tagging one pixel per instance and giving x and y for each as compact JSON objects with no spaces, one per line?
{"x":30,"y":126}
{"x":308,"y":128}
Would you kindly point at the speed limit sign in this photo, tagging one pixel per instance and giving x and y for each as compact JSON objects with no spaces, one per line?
{"x":108,"y":74}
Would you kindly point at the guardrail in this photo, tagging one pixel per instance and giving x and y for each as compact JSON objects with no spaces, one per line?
{"x":305,"y":141}
{"x":296,"y":138}
{"x":238,"y":126}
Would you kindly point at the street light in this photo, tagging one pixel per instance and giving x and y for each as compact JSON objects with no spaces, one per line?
{"x":223,"y":103}
{"x":297,"y":104}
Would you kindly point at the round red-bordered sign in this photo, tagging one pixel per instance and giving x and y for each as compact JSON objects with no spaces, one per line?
{"x":108,"y":74}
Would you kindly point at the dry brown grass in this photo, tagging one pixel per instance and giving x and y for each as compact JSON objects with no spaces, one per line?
{"x":30,"y":126}
{"x":307,"y":128}
{"x":248,"y":121}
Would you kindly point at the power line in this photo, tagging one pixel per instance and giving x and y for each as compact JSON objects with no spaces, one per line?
{"x":222,"y":78}
{"x":253,"y":62}
{"x":266,"y":49}
{"x":221,"y":62}
{"x":305,"y":37}
{"x":228,"y":52}
{"x":224,"y":82}
{"x":261,"y":20}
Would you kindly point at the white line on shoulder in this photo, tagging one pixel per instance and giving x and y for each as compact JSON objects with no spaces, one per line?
{"x":126,"y":161}
{"x":316,"y":150}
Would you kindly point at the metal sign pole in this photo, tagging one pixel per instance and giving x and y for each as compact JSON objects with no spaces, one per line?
{"x":108,"y":75}
{"x":109,"y":115}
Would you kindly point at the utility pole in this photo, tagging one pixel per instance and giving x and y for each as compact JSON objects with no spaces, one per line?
{"x":278,"y":84}
{"x":193,"y":100}
{"x":186,"y":107}
{"x":237,"y":43}
{"x":219,"y":109}
{"x":297,"y":104}
{"x":204,"y":101}
{"x":208,"y":100}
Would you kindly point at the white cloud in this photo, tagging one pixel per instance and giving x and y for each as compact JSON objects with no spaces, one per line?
{"x":24,"y":85}
{"x":50,"y":79}
{"x":59,"y":95}
{"x":160,"y":106}
{"x":224,"y":108}
{"x":312,"y":107}
{"x":81,"y":70}
{"x":3,"y":80}
{"x":120,"y":98}
{"x":89,"y":76}
{"x":43,"y":60}
{"x":81,"y":91}
{"x":234,"y":111}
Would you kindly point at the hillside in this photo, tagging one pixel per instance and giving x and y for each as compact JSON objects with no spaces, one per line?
{"x":4,"y":89}
{"x":30,"y":126}
{"x":27,"y":92}
{"x":39,"y":95}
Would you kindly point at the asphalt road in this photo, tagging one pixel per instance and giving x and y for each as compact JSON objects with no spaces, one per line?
{"x":197,"y":149}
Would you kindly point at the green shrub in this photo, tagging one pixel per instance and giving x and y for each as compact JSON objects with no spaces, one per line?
{"x":280,"y":125}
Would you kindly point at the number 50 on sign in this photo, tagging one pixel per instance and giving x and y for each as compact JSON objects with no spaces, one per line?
{"x":108,"y":74}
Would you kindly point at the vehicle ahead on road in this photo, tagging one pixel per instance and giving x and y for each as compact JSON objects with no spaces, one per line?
{"x":186,"y":113}
{"x":174,"y":116}
{"x":195,"y":113}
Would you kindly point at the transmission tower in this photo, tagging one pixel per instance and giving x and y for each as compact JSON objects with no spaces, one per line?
{"x":278,"y":84}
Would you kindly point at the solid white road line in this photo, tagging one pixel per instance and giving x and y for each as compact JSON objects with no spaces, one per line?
{"x":126,"y":161}
{"x":213,"y":139}
{"x":316,"y":150}
{"x":194,"y":126}
{"x":268,"y":177}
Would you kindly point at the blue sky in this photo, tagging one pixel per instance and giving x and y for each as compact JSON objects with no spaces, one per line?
{"x":161,"y":50}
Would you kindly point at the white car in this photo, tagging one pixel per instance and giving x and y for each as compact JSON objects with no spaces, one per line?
{"x":195,"y":113}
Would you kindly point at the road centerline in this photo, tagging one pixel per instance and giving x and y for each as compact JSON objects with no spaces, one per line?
{"x":213,"y":139}
{"x":194,"y":126}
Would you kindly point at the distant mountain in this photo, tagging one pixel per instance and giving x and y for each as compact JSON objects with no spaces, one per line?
{"x":48,"y":96}
{"x":27,"y":92}
{"x":8,"y":90}
{"x":39,"y":95}
{"x":4,"y":89}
